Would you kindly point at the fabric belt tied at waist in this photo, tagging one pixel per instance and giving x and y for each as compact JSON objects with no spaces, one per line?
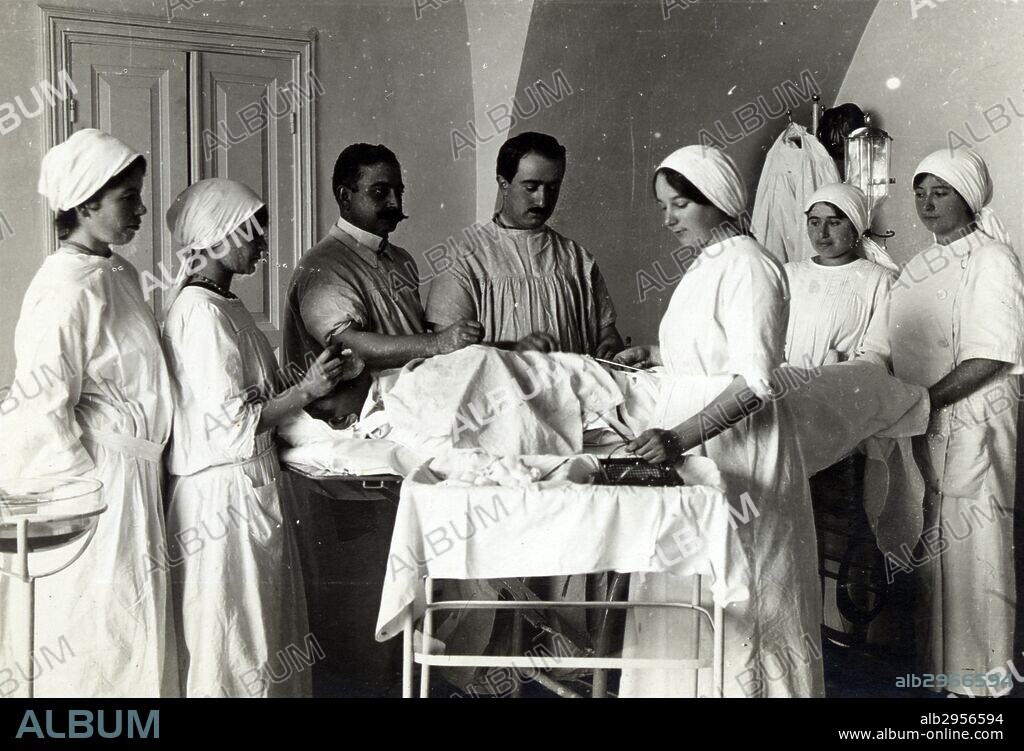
{"x":264,"y":446}
{"x":137,"y":448}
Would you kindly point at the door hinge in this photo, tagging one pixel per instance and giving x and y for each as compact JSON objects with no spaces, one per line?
{"x":73,"y":110}
{"x":294,"y":120}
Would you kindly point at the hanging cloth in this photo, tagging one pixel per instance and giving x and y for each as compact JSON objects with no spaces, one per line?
{"x":796,"y":165}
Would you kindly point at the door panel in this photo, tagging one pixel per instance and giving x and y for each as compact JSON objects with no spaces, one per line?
{"x":140,"y":95}
{"x":245,"y":133}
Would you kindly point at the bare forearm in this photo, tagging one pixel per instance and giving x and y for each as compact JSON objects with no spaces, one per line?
{"x":380,"y":351}
{"x":282,"y":405}
{"x":964,"y":380}
{"x":733,"y":405}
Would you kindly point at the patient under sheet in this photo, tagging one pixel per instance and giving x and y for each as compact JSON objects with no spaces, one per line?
{"x":510,"y":404}
{"x":506,"y":403}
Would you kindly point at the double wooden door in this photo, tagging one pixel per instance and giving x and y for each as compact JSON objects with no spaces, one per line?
{"x":197,"y":113}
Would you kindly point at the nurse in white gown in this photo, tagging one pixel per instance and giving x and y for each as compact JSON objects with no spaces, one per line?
{"x":238,"y":595}
{"x":956,"y":326}
{"x":92,"y":398}
{"x":835,"y":294}
{"x":721,"y":341}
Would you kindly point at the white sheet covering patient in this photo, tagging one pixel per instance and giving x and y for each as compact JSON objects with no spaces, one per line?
{"x":239,"y":599}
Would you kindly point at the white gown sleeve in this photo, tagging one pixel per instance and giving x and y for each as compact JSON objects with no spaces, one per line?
{"x":57,"y":332}
{"x":990,"y":323}
{"x":754,"y":315}
{"x":210,"y":371}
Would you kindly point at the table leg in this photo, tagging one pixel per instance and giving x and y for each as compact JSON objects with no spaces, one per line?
{"x":695,"y":639}
{"x":428,"y":630}
{"x":718,"y":667}
{"x":517,"y":649}
{"x":30,"y":614}
{"x":407,"y":661}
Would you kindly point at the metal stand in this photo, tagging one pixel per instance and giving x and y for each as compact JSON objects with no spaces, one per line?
{"x":30,"y":611}
{"x":535,"y":662}
{"x":22,"y":573}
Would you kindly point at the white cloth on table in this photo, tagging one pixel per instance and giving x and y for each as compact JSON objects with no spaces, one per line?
{"x":842,"y":407}
{"x":831,"y":308}
{"x":727,"y":317}
{"x":239,"y":599}
{"x":491,"y":532}
{"x":92,"y":398}
{"x":507,"y":403}
{"x":796,"y":165}
{"x":836,"y":407}
{"x":953,"y":303}
{"x":315,"y":451}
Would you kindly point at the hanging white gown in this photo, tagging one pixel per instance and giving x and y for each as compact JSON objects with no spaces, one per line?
{"x":92,"y":398}
{"x":238,"y":597}
{"x":727,"y":317}
{"x":796,"y":166}
{"x":950,"y":304}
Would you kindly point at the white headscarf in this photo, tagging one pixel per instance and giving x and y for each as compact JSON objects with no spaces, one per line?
{"x":968,"y":175}
{"x":713,"y":173}
{"x":203,"y":216}
{"x":851,"y":200}
{"x":77,"y":168}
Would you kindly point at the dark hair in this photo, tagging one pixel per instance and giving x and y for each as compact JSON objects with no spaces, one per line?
{"x":352,"y":160}
{"x":515,"y":148}
{"x":922,"y":175}
{"x":67,"y":221}
{"x":838,"y":210}
{"x":262,"y":216}
{"x":682,"y":186}
{"x":836,"y":124}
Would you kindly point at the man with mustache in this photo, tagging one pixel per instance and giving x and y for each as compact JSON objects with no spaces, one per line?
{"x":346,"y":291}
{"x":530,"y":287}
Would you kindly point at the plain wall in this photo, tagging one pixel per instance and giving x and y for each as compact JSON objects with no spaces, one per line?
{"x":953,"y":61}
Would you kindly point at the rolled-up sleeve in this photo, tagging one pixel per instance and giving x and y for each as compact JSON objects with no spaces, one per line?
{"x":754,"y":314}
{"x":990,"y":308}
{"x":330,"y":304}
